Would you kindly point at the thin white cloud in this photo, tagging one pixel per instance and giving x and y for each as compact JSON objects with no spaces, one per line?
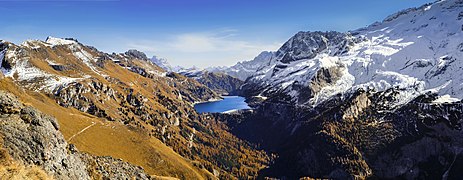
{"x":204,"y":49}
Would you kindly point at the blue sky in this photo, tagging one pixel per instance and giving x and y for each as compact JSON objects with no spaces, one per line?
{"x":188,"y":32}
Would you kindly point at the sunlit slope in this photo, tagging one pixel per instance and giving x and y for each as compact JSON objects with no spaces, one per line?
{"x":104,"y":138}
{"x":126,"y":91}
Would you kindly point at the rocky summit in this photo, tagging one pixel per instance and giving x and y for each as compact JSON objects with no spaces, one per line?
{"x":379,"y":102}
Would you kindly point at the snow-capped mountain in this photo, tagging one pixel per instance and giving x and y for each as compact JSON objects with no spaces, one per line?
{"x":416,"y":50}
{"x":376,"y":102}
{"x":164,"y":64}
{"x":242,"y":70}
{"x":161,"y":62}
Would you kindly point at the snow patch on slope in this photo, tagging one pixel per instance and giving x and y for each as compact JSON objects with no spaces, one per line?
{"x":24,"y":72}
{"x":59,"y":41}
{"x":445,"y":99}
{"x":33,"y":44}
{"x":86,"y":58}
{"x":34,"y":78}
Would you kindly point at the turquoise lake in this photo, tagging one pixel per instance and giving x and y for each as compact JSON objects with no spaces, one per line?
{"x":227,"y":104}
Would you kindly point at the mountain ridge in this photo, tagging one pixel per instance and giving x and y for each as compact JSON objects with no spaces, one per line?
{"x":381,"y":102}
{"x":375,"y":61}
{"x":132,"y":93}
{"x":361,"y":103}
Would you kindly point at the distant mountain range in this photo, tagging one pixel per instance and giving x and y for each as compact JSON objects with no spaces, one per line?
{"x":241,"y":70}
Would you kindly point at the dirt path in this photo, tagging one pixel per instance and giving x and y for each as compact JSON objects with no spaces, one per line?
{"x":81,"y":131}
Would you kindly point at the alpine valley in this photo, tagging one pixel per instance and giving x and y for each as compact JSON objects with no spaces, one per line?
{"x":380,"y":102}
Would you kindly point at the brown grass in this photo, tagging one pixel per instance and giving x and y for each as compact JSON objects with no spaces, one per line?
{"x":214,"y":147}
{"x":15,"y":171}
{"x":10,"y":169}
{"x":111,"y":138}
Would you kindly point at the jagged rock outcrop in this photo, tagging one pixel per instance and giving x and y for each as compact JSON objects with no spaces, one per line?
{"x":324,"y":77}
{"x":135,"y":54}
{"x":106,"y":167}
{"x":33,"y":138}
{"x":307,"y":45}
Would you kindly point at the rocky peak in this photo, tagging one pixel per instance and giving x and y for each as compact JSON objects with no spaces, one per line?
{"x":136,"y":54}
{"x":307,"y":45}
{"x":262,"y":57}
{"x":416,"y":49}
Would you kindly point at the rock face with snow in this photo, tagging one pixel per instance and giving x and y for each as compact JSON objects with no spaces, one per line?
{"x":307,"y":45}
{"x":382,"y":101}
{"x":164,"y":64}
{"x":161,"y":62}
{"x":417,"y":50}
{"x":242,"y":70}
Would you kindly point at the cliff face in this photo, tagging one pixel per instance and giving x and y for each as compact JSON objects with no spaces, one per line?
{"x":33,"y":138}
{"x":357,"y":135}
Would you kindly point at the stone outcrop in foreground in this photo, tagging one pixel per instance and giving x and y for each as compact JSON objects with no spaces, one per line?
{"x":34,"y":140}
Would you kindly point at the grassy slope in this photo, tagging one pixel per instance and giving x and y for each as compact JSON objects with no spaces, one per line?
{"x":213,"y":147}
{"x":111,"y":138}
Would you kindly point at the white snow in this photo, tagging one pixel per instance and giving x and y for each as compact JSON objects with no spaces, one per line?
{"x":51,"y":62}
{"x":261,"y":97}
{"x":2,"y":56}
{"x":245,"y":69}
{"x":33,"y":44}
{"x":445,"y":99}
{"x":416,"y":50}
{"x":25,"y":72}
{"x":159,"y":74}
{"x":230,"y":111}
{"x":86,"y":58}
{"x":34,"y":78}
{"x":59,"y":41}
